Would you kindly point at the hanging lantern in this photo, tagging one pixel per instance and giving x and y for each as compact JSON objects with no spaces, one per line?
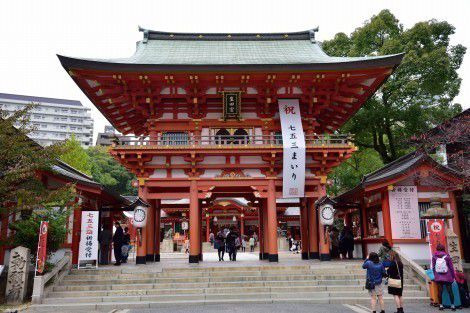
{"x":215,"y":219}
{"x":140,"y":216}
{"x":234,"y":218}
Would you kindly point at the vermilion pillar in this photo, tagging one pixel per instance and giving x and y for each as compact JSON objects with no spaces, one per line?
{"x":386,"y":217}
{"x":265,"y":231}
{"x":77,"y":228}
{"x":272,"y":222}
{"x":324,"y":235}
{"x":141,"y":257}
{"x":304,"y":230}
{"x":194,"y":223}
{"x":312,"y":230}
{"x":158,"y":213}
{"x":150,"y":233}
{"x":261,"y":233}
{"x":208,"y":229}
{"x":242,"y":226}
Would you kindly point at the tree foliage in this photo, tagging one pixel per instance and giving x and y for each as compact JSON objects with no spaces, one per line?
{"x":27,"y":229}
{"x":418,"y":95}
{"x":109,"y":172}
{"x":76,"y":156}
{"x":350,"y":172}
{"x":21,"y":162}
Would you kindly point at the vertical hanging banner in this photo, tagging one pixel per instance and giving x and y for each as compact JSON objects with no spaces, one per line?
{"x":42,"y":247}
{"x":436,"y":234}
{"x":404,"y":212}
{"x":293,"y":141}
{"x":89,"y":238}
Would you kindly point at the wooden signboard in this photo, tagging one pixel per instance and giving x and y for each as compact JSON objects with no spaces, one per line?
{"x":231,"y":105}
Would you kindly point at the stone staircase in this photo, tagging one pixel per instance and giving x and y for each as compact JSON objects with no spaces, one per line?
{"x":149,"y":286}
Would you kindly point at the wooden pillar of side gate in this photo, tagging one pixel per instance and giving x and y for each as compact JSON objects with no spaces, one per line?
{"x":158,"y":213}
{"x":76,"y":232}
{"x":387,"y":224}
{"x":194,"y":223}
{"x":150,"y":232}
{"x":141,"y":233}
{"x":265,"y":231}
{"x":324,"y":235}
{"x":260,"y":232}
{"x":304,"y":230}
{"x":312,"y":230}
{"x":272,"y":221}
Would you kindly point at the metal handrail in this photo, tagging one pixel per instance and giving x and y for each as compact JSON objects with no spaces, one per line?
{"x":234,"y":140}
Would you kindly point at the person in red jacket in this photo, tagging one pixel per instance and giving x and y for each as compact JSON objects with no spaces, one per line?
{"x":444,"y":273}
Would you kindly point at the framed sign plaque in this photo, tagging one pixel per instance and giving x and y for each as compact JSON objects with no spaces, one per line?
{"x":231,"y":104}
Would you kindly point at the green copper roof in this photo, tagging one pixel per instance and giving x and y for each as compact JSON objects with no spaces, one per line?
{"x":172,"y":50}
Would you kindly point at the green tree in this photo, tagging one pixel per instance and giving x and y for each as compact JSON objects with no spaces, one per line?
{"x":109,"y":172}
{"x":21,"y":162}
{"x":350,"y":173}
{"x":76,"y":156}
{"x":418,"y":95}
{"x":27,"y":229}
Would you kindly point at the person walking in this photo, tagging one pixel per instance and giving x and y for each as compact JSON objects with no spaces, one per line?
{"x":384,"y":253}
{"x":230,"y":242}
{"x":346,"y":243}
{"x":395,"y":280}
{"x":375,"y":273}
{"x":219,"y":244}
{"x":211,"y":238}
{"x":243,"y":244}
{"x":444,"y":274}
{"x":252,"y":244}
{"x":105,"y":238}
{"x":334,"y":240}
{"x":126,"y":245}
{"x":118,"y":239}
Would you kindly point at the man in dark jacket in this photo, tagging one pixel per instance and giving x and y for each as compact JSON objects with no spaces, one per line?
{"x":105,"y":238}
{"x":231,"y":244}
{"x":118,"y":240}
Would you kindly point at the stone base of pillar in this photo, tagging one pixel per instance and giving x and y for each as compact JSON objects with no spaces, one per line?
{"x":157,"y":257}
{"x":150,"y":258}
{"x":325,"y":257}
{"x":141,"y":260}
{"x":304,"y":255}
{"x":261,"y":256}
{"x":273,"y":258}
{"x":265,"y":256}
{"x":200,"y":257}
{"x":314,"y":255}
{"x":194,"y":258}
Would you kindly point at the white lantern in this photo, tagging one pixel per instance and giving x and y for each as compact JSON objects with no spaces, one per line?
{"x":139,"y":216}
{"x":327,"y":214}
{"x":215,"y":219}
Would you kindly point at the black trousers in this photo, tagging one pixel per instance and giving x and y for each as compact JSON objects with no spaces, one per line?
{"x":118,"y":253}
{"x":221,"y":252}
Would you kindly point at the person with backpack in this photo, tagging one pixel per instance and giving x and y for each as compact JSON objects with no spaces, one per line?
{"x":395,"y":279}
{"x":219,"y":244}
{"x":444,"y":274}
{"x":375,"y":273}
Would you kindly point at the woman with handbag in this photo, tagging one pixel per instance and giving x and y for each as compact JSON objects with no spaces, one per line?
{"x":395,"y":280}
{"x":375,"y":273}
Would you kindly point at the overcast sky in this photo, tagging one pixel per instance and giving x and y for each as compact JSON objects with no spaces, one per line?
{"x":33,"y":32}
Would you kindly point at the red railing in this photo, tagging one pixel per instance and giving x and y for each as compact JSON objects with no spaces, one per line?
{"x":233,"y":141}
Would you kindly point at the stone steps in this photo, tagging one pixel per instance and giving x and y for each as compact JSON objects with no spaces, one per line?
{"x":147,"y":287}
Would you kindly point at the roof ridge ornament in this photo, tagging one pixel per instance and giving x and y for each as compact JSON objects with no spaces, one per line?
{"x":312,"y":34}
{"x":146,"y":33}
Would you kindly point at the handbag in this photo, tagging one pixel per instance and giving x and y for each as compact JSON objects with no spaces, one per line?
{"x":369,"y":284}
{"x":395,"y":283}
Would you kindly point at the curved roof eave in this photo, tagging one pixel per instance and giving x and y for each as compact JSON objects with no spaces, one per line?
{"x":70,"y":63}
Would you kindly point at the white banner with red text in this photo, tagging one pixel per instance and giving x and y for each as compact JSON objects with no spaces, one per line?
{"x":88,"y":251}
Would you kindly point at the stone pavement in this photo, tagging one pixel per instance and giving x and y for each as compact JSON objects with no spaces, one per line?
{"x":284,"y":308}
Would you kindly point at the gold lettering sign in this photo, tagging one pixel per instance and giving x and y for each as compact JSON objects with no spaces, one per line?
{"x":231,"y":105}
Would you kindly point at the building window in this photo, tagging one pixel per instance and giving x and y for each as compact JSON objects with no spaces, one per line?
{"x":63,"y":118}
{"x":222,"y":137}
{"x":423,"y":207}
{"x":278,"y":138}
{"x":240,"y":136}
{"x":175,"y":138}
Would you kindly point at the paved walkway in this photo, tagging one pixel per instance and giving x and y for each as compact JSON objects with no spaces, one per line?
{"x":284,"y":308}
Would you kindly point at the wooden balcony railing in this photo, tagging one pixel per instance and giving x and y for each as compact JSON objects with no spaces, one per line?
{"x":232,"y":141}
